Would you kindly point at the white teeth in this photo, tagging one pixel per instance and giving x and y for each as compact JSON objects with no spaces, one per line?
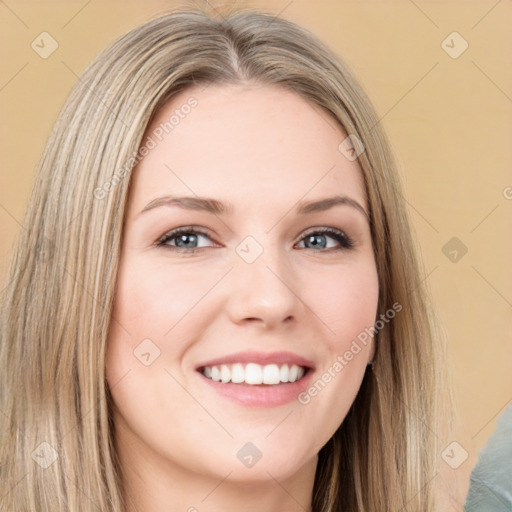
{"x":237,"y":373}
{"x":252,"y":373}
{"x":225,"y":373}
{"x":284,"y":372}
{"x":271,"y":374}
{"x":215,"y":373}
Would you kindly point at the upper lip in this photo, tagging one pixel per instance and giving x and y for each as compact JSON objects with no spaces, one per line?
{"x":262,"y":358}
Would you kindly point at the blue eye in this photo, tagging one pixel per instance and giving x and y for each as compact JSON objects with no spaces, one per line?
{"x":317,"y":239}
{"x":186,"y":240}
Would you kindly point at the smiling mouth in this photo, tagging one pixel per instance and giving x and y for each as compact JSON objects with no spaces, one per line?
{"x":254,"y":374}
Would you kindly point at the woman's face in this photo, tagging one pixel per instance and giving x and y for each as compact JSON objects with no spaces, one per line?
{"x":262,"y":278}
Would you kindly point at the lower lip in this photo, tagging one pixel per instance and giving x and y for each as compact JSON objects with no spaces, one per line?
{"x":260,"y":395}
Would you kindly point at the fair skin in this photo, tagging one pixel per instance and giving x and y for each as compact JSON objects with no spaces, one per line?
{"x":264,"y":150}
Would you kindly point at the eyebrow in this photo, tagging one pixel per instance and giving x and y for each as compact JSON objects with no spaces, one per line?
{"x":219,"y":208}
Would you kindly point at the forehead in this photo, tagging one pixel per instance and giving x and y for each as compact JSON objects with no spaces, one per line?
{"x":246,"y":144}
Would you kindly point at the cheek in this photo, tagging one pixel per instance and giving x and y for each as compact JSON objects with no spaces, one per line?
{"x":145,"y":308}
{"x":346,"y":302}
{"x":160,"y":303}
{"x":152,"y":299}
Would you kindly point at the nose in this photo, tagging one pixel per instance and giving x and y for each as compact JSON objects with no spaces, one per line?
{"x":262,"y":293}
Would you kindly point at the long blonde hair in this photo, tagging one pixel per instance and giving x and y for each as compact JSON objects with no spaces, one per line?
{"x":56,"y":435}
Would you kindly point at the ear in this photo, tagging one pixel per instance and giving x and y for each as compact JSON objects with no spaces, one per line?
{"x":371,"y":351}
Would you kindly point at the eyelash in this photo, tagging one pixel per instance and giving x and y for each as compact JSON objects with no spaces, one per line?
{"x":345,"y":242}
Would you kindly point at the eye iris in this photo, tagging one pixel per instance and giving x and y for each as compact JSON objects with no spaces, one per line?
{"x":314,"y":239}
{"x":186,"y":239}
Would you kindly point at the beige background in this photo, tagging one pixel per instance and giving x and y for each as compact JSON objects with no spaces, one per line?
{"x":449,"y":120}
